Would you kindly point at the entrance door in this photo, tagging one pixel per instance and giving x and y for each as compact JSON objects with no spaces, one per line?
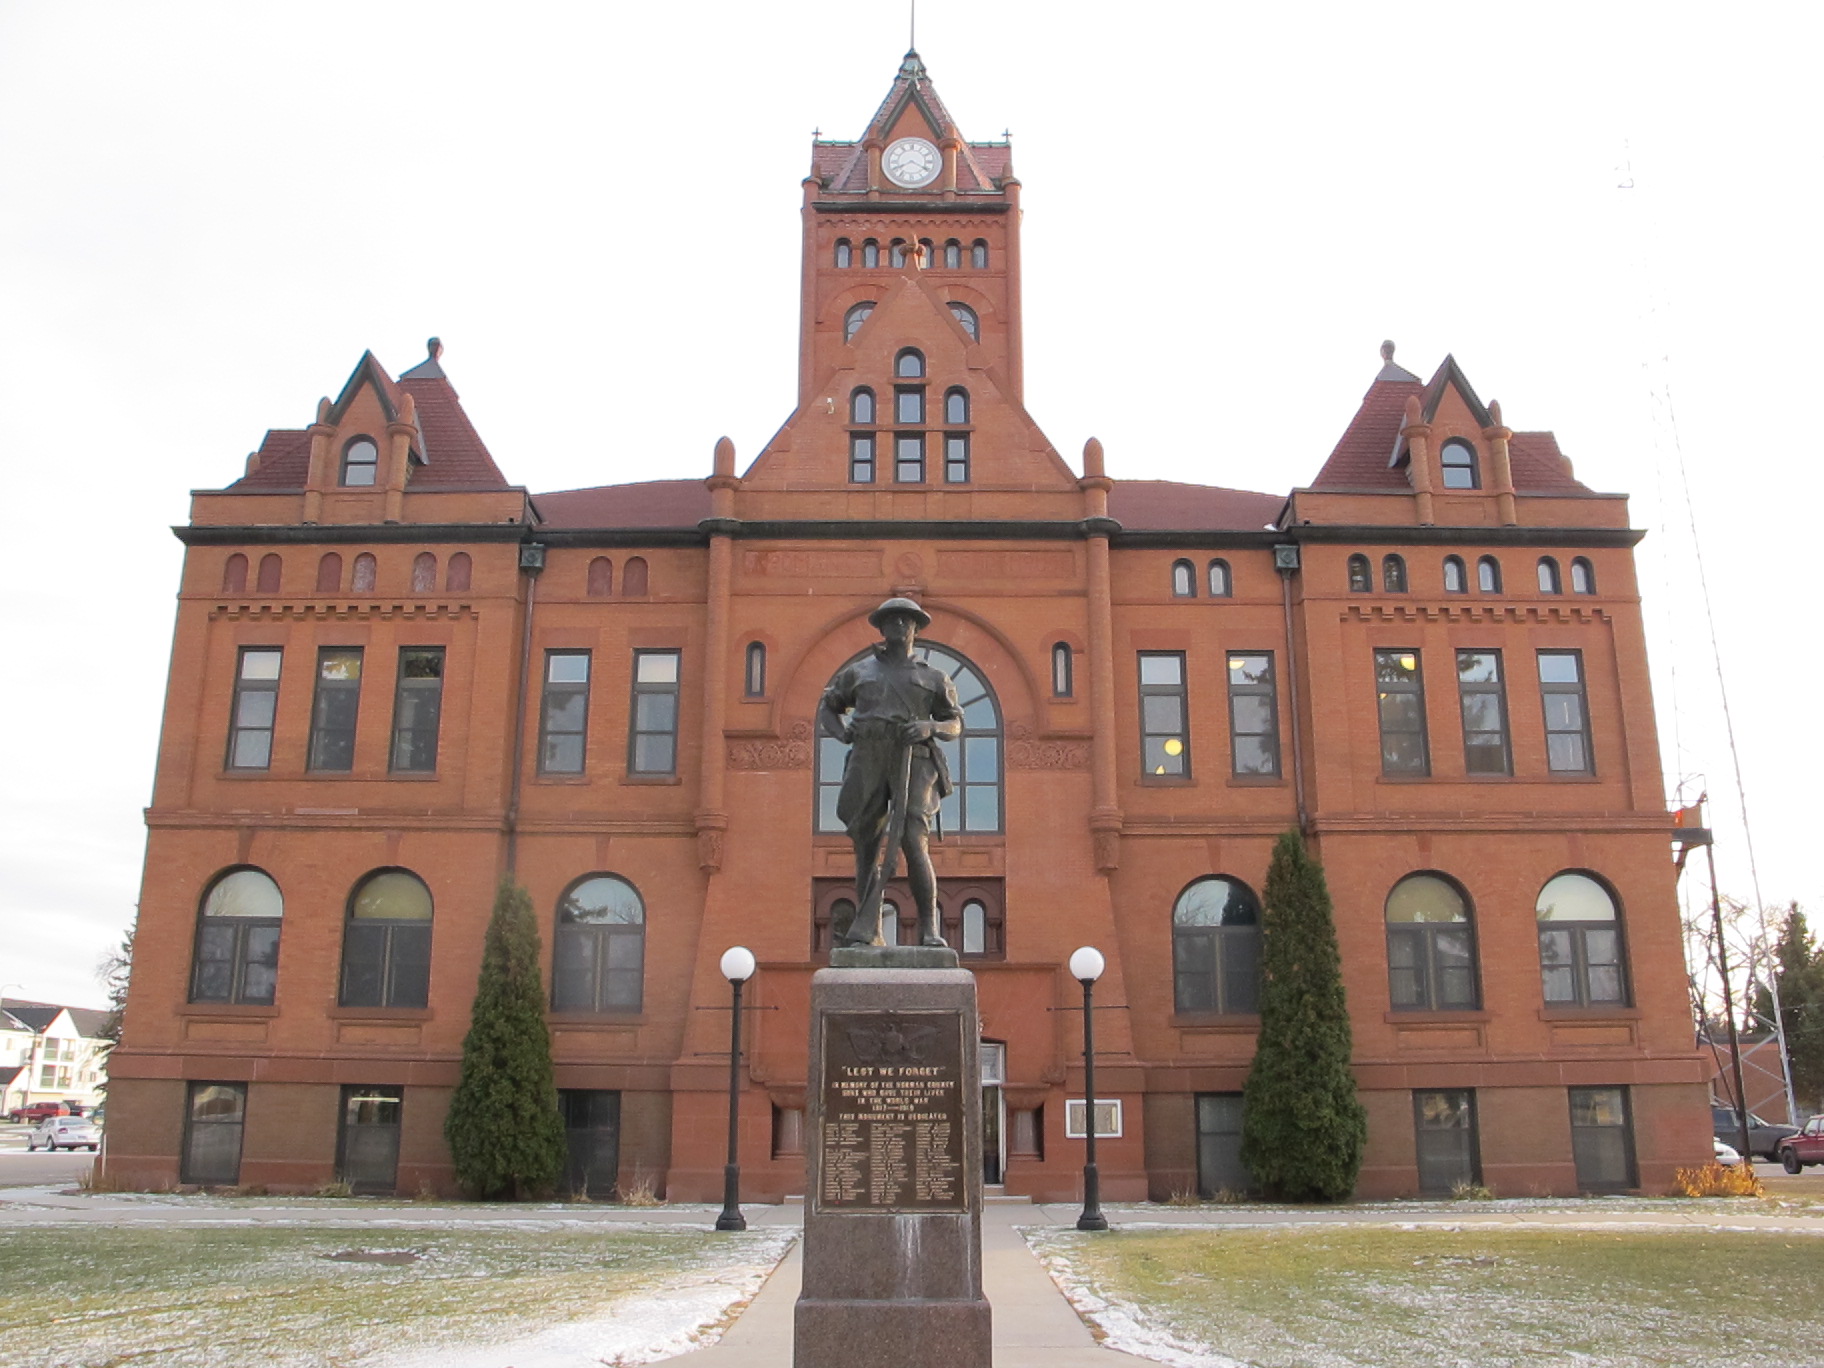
{"x":592,"y":1130}
{"x":368,"y":1147}
{"x":994,"y":1113}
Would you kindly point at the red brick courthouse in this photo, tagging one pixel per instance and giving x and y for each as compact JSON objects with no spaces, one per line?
{"x":397,"y":674}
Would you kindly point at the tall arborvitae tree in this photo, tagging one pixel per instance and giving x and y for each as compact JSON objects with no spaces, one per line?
{"x":1800,"y":973}
{"x":503,"y":1127}
{"x":1303,"y":1128}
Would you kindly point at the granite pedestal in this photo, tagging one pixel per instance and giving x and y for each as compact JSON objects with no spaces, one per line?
{"x":893,"y":1209}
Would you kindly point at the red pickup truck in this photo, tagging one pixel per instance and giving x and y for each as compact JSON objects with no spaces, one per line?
{"x":34,"y":1112}
{"x":1807,"y":1147}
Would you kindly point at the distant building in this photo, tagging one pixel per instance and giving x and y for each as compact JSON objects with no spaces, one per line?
{"x":50,"y":1053}
{"x":396,"y":675}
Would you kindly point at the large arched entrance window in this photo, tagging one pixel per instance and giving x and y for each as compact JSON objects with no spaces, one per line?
{"x":974,"y":805}
{"x":599,"y":961}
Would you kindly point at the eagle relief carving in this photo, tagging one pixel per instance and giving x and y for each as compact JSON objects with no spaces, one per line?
{"x":791,"y":751}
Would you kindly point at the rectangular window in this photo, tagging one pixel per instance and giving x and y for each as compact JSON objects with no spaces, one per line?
{"x":1580,"y":964}
{"x":1567,"y":715}
{"x":333,"y":713}
{"x":1402,"y":709}
{"x":1444,"y":1126}
{"x":909,"y":457}
{"x":861,"y":457}
{"x":956,"y":458}
{"x":1602,"y":1139}
{"x":909,"y":405}
{"x":563,"y":721}
{"x":417,"y":709}
{"x":1219,"y":1166}
{"x":367,"y":1143}
{"x":653,"y":746}
{"x":256,"y":702}
{"x":1165,"y":738}
{"x":1253,"y":713}
{"x":214,"y":1116}
{"x":592,"y":1136}
{"x":1484,"y":700}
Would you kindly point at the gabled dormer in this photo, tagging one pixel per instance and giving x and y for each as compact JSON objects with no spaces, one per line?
{"x":1449,"y":457}
{"x":382,"y":451}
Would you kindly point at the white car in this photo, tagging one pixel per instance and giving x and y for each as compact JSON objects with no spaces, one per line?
{"x":1725,"y":1154}
{"x":64,"y":1132}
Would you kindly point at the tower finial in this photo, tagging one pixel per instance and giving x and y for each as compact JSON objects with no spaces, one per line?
{"x":1387,"y":351}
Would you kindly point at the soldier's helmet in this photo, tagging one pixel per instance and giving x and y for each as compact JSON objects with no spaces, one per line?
{"x":901,"y":605}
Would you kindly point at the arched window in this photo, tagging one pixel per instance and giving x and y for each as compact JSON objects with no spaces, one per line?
{"x":1222,"y":584}
{"x":843,"y":254}
{"x":978,"y":255}
{"x":870,"y":254}
{"x":598,"y":957}
{"x":1393,"y":574}
{"x":956,"y":407}
{"x":1488,"y":575}
{"x":1549,"y":582}
{"x":234,"y":574}
{"x":1184,"y":579}
{"x":1456,"y":577}
{"x":1459,"y":461}
{"x":366,"y":571}
{"x":1216,"y":947}
{"x":953,"y":255}
{"x":1580,"y":959}
{"x":270,"y":568}
{"x":456,"y":580}
{"x":1063,"y":683}
{"x":424,"y":573}
{"x":360,"y":461}
{"x":974,"y":919}
{"x":237,"y":939}
{"x":633,"y":577}
{"x":965,"y":315}
{"x":1431,"y":946}
{"x":861,"y":406}
{"x":854,"y":318}
{"x":1360,"y":580}
{"x":909,"y":364}
{"x":754,"y":677}
{"x":329,"y":573}
{"x":601,"y":577}
{"x":386,"y":942}
{"x":1583,"y":576}
{"x":896,"y":255}
{"x":974,"y":758}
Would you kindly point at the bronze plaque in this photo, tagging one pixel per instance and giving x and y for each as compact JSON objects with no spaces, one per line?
{"x":892,"y":1112}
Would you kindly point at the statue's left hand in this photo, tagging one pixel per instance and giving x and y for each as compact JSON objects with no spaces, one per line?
{"x":912,"y":732}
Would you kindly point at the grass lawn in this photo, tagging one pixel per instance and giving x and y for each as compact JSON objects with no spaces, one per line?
{"x":1439,"y":1297}
{"x":174,"y":1296}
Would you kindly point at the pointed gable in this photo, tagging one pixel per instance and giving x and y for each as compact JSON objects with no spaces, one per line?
{"x":912,"y":108}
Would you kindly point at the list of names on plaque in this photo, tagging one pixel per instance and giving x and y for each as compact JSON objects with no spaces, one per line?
{"x":892,"y":1112}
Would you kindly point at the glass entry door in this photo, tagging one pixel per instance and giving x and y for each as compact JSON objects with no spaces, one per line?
{"x":994,"y":1113}
{"x":368,"y":1148}
{"x":592,"y":1130}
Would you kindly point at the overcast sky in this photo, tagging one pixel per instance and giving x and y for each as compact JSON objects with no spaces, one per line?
{"x":208,"y":211}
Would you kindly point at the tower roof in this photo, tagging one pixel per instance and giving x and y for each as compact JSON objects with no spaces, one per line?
{"x":842,"y":167}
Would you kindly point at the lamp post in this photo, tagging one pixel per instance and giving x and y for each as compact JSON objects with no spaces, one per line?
{"x":1086,"y":967}
{"x":737,"y":968}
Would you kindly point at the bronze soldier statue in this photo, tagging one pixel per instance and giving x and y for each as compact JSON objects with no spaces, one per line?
{"x":898,"y":709}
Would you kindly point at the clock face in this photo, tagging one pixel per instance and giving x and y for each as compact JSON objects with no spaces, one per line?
{"x":911,"y":162}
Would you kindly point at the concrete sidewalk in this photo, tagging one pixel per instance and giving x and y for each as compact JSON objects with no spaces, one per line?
{"x":1034,"y":1327}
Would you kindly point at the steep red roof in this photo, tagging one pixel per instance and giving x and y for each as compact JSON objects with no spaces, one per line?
{"x":1540,"y":467}
{"x":284,"y":461}
{"x":1359,"y":460}
{"x":1168,"y":506}
{"x":653,"y":503}
{"x":842,"y":167}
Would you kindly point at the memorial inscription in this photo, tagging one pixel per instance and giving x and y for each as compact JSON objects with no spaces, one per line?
{"x":892,"y":1113}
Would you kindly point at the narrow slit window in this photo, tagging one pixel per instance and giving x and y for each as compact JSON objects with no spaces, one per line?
{"x":1184,"y":580}
{"x":1488,"y":575}
{"x":1549,"y":582}
{"x":870,"y":254}
{"x":1393,"y":574}
{"x":1456,"y":578}
{"x":1062,"y":670}
{"x":755,"y":678}
{"x":978,"y":255}
{"x":953,"y":255}
{"x":1360,"y":580}
{"x":1222,"y":584}
{"x":1583,"y":577}
{"x":844,"y":254}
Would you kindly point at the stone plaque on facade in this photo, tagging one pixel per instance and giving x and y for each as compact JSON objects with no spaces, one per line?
{"x":893,"y":1116}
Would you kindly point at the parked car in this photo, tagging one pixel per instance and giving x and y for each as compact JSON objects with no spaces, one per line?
{"x":64,"y":1132}
{"x":34,"y":1112}
{"x":1805,"y":1147}
{"x":1763,"y":1136}
{"x":1726,"y":1155}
